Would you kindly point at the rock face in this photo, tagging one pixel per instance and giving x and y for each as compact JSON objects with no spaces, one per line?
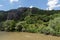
{"x":16,"y":13}
{"x":20,"y":13}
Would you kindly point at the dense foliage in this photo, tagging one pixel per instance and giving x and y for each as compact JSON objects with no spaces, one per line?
{"x":31,"y":20}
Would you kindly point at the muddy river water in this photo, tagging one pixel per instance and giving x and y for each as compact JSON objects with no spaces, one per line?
{"x":26,"y":36}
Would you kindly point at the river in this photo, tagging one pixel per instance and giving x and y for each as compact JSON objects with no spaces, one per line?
{"x":26,"y":36}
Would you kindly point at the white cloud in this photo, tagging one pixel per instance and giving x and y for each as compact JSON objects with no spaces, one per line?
{"x":52,"y":4}
{"x":11,"y":1}
{"x":1,"y":5}
{"x":31,"y":6}
{"x":57,"y":6}
{"x":20,"y":6}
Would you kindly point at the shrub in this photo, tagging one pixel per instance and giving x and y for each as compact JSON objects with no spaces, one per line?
{"x":34,"y":28}
{"x":55,"y":25}
{"x":1,"y":28}
{"x":31,"y":28}
{"x":9,"y":25}
{"x":20,"y":26}
{"x":47,"y":30}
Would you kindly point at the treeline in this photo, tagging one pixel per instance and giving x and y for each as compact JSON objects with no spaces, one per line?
{"x":33,"y":20}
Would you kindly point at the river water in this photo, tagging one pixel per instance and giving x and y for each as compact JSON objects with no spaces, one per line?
{"x":26,"y":36}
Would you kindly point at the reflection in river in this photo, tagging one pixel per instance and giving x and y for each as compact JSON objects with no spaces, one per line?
{"x":25,"y":36}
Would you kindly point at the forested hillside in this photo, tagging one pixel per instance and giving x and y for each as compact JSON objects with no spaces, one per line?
{"x":33,"y":20}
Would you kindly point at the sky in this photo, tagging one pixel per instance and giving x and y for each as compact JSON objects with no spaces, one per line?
{"x":42,"y":4}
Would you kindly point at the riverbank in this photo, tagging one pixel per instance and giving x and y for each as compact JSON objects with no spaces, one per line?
{"x":26,"y":36}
